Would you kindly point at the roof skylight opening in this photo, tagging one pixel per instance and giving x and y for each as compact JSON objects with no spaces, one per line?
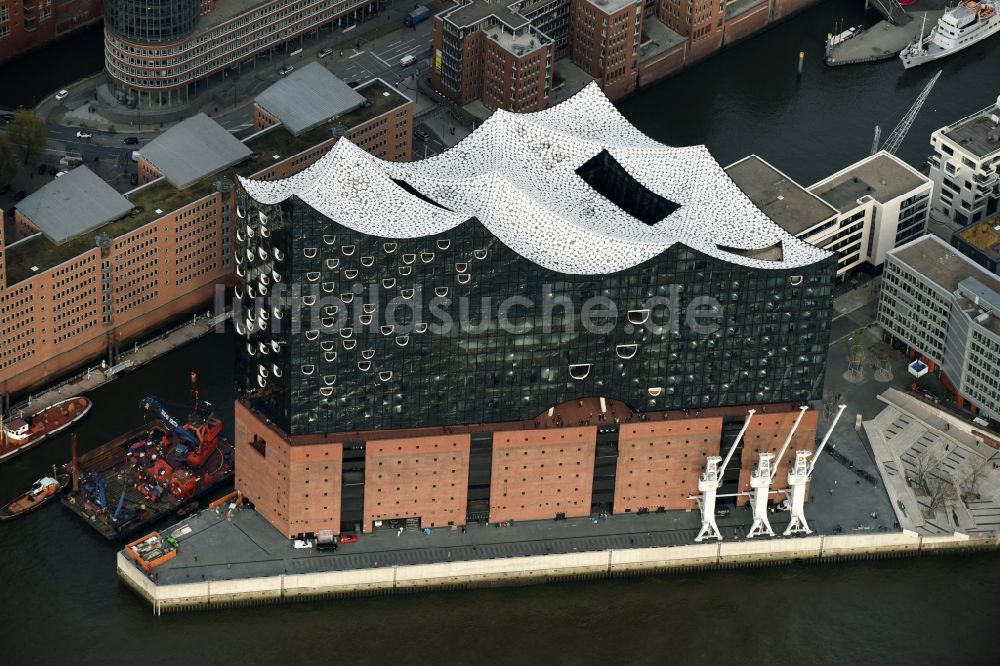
{"x":609,"y":178}
{"x":770,"y":253}
{"x":412,"y":190}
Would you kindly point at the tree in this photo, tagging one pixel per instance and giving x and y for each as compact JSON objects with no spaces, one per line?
{"x":26,"y":134}
{"x":8,"y":163}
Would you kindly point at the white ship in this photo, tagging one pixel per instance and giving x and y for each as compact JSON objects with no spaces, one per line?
{"x":960,"y":27}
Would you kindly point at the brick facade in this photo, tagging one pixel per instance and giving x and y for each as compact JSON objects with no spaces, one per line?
{"x":659,"y":463}
{"x":29,"y":25}
{"x":538,"y":469}
{"x":418,"y":477}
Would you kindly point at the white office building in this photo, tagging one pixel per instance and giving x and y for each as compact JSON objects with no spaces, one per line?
{"x":964,"y":167}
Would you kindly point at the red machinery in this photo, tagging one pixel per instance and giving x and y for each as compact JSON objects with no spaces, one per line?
{"x":208,"y":439}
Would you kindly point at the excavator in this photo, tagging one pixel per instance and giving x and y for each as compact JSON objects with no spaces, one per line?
{"x":201,"y":438}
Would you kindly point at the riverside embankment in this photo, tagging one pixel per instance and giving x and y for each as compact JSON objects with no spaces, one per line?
{"x":285,"y":587}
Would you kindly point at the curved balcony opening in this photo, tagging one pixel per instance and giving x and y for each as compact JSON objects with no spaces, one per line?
{"x":579,"y":371}
{"x":626,"y":351}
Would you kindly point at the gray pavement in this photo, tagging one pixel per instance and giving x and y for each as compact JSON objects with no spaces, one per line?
{"x":910,"y":438}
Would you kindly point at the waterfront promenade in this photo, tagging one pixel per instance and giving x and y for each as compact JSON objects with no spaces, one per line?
{"x":232,"y":557}
{"x":131,"y":357}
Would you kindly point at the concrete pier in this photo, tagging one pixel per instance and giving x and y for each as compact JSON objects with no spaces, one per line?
{"x":202,"y":577}
{"x":882,"y":41}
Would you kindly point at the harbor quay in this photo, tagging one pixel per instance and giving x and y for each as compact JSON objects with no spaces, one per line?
{"x":230,"y":556}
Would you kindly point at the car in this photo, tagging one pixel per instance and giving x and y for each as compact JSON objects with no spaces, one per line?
{"x":4,"y":189}
{"x":42,"y":169}
{"x":84,"y":135}
{"x":134,"y":179}
{"x":422,"y":135}
{"x":53,"y":171}
{"x":130,"y":140}
{"x":324,"y":53}
{"x":354,"y":84}
{"x":287,"y":69}
{"x":721,"y":512}
{"x":6,"y":116}
{"x":348,"y":538}
{"x":20,"y":195}
{"x":60,"y":174}
{"x":62,"y":94}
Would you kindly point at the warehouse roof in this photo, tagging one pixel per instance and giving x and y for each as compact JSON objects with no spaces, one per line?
{"x":193,"y":149}
{"x":73,"y":204}
{"x":307,"y":97}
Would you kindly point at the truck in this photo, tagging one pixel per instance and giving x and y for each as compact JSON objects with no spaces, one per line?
{"x":419,"y":13}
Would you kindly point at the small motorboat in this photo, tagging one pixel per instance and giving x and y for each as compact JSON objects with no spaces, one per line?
{"x":41,"y":493}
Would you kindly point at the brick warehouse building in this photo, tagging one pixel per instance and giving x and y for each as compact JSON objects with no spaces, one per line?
{"x":93,"y":269}
{"x":397,"y":371}
{"x":28,"y":24}
{"x":622,"y":44}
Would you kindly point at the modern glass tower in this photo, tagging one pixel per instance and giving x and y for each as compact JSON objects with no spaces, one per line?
{"x":549,"y":257}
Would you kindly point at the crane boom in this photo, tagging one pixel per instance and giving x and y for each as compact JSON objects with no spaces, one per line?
{"x":788,"y":440}
{"x":153,"y":404}
{"x":895,"y":139}
{"x":826,"y":438}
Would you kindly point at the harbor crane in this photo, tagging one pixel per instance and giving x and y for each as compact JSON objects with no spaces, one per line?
{"x":799,"y":476}
{"x":761,"y":478}
{"x":709,"y":483}
{"x":895,"y":138}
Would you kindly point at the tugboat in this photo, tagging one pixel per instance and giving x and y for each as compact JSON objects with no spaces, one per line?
{"x":41,"y":493}
{"x":969,"y":23}
{"x":20,"y":434}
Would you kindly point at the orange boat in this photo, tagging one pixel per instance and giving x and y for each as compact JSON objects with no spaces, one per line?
{"x":20,"y":434}
{"x":41,"y":493}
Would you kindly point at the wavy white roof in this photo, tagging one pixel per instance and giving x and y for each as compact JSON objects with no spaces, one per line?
{"x":516,"y":173}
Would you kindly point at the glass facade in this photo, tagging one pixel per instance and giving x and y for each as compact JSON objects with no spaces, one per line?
{"x":346,"y":331}
{"x":151,"y":21}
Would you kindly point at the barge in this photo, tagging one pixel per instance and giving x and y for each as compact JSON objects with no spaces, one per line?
{"x":150,"y":472}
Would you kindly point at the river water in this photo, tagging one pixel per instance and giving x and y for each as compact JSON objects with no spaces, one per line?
{"x":60,"y":598}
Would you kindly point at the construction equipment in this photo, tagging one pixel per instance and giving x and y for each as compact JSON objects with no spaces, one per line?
{"x":709,"y":483}
{"x":153,"y":404}
{"x":895,"y":139}
{"x":799,"y":476}
{"x":760,"y":481}
{"x":202,"y":437}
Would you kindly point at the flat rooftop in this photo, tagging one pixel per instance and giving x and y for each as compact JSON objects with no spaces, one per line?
{"x":193,"y":149}
{"x":658,"y":38}
{"x":268,"y":148}
{"x":225,"y":10}
{"x":530,"y":40}
{"x":881,"y":176}
{"x":73,"y":204}
{"x":944,"y":265}
{"x":611,"y":6}
{"x":781,"y":198}
{"x":475,"y":11}
{"x":978,"y":133}
{"x":984,"y":236}
{"x":307,"y":97}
